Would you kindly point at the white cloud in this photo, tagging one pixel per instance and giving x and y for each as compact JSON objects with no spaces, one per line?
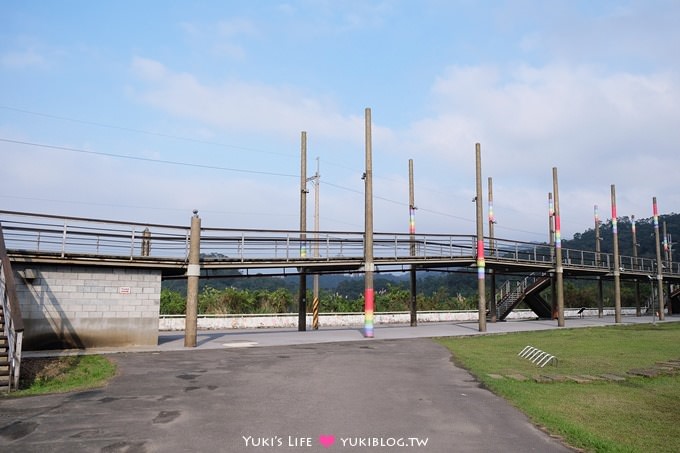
{"x":247,"y":106}
{"x":598,"y":128}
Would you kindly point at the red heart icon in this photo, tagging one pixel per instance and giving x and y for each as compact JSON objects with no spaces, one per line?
{"x":326,"y":440}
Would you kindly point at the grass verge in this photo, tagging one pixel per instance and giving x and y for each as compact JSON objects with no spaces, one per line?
{"x":40,"y":376}
{"x":637,"y":414}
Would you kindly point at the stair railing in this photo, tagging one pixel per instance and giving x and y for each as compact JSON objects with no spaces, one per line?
{"x":511,"y":290}
{"x":14,"y":323}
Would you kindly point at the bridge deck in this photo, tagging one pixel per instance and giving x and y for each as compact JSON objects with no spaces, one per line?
{"x":56,"y":239}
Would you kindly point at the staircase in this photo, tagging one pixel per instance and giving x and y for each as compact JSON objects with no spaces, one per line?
{"x":11,"y":324}
{"x":675,"y":300}
{"x":4,"y":355}
{"x":527,"y":290}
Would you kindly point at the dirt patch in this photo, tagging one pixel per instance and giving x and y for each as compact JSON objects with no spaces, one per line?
{"x":45,"y":369}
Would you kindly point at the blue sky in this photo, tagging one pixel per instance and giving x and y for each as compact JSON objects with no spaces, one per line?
{"x":592,"y":88}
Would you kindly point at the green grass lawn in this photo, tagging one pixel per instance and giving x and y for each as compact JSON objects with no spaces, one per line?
{"x":41,"y":376}
{"x":637,"y":415}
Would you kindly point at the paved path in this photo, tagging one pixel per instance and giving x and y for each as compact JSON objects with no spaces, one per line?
{"x":358,"y":395}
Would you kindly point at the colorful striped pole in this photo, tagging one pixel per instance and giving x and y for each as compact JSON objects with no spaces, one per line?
{"x":369,"y":294}
{"x":617,"y":267}
{"x":559,"y":277}
{"x":481,"y":271}
{"x":413,"y":302}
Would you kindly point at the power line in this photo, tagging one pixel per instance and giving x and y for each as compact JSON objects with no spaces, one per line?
{"x":144,"y":159}
{"x":146,"y":208}
{"x":431,"y":211}
{"x":140,"y":131}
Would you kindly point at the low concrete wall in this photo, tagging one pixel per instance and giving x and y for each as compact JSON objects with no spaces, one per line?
{"x":223,"y":322}
{"x":67,"y":306}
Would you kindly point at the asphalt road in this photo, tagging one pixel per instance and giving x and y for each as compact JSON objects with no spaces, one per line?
{"x":377,"y":396}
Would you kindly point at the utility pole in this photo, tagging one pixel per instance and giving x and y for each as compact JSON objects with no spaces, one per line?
{"x":492,"y":251}
{"x":551,"y":229}
{"x":559,"y":277}
{"x":369,"y":294}
{"x":315,"y":303}
{"x":667,"y":258}
{"x":636,"y":265}
{"x":598,"y":248}
{"x":193,"y":274}
{"x":413,"y":305}
{"x":659,"y":263}
{"x":481,"y":274}
{"x":617,"y":268}
{"x":302,"y":296}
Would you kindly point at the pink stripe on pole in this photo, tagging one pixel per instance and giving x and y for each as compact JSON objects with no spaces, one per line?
{"x":480,"y":260}
{"x":368,"y":312}
{"x":655,"y":210}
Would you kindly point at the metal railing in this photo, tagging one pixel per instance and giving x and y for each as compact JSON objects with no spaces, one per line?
{"x":63,"y":237}
{"x":14,"y":324}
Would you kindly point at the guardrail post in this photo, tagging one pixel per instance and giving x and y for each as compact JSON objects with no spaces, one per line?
{"x":63,"y":241}
{"x":132,"y":243}
{"x":146,"y":242}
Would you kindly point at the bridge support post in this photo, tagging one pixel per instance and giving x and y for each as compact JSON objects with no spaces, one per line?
{"x":193,"y":274}
{"x":600,"y":298}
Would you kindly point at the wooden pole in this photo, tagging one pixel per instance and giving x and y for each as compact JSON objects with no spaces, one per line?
{"x":369,"y":294}
{"x":667,"y":259}
{"x":598,"y":248}
{"x":617,"y":269}
{"x":559,"y":277}
{"x":302,"y":295}
{"x":315,"y":283}
{"x":638,"y":310}
{"x":481,"y":274}
{"x":492,"y":250}
{"x":551,"y":229}
{"x":659,"y":263}
{"x":193,"y":274}
{"x":413,"y":305}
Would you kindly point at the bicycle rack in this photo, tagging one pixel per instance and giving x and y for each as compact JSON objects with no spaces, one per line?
{"x":537,"y":357}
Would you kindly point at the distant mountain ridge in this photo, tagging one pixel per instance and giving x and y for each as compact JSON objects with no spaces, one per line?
{"x":645,"y":236}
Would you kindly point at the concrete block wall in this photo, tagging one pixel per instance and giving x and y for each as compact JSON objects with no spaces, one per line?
{"x":67,"y":306}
